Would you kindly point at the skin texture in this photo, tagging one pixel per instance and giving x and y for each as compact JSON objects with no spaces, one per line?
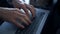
{"x":24,"y":6}
{"x":11,"y":14}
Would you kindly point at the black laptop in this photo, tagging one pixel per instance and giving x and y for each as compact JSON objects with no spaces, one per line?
{"x":37,"y":23}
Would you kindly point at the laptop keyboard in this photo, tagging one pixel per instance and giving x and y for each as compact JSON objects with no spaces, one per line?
{"x":32,"y":27}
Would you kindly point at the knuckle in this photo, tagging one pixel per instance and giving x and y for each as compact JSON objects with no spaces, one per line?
{"x":31,"y":5}
{"x":16,"y":9}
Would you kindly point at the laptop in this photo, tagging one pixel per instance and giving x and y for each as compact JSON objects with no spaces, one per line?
{"x":37,"y":23}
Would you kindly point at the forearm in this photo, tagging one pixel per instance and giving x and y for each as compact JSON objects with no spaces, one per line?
{"x":1,"y":18}
{"x":2,"y":8}
{"x":1,"y":11}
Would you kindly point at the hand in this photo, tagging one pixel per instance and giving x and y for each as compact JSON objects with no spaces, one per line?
{"x":25,"y":7}
{"x":11,"y":14}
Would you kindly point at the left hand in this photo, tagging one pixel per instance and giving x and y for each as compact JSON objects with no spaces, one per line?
{"x":25,"y":7}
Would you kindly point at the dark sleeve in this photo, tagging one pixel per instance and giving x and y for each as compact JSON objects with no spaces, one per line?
{"x":4,"y":3}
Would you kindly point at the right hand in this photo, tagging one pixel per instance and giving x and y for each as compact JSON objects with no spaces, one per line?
{"x":11,"y":14}
{"x":25,"y":7}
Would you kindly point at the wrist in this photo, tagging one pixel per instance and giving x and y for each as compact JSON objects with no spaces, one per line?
{"x":1,"y":11}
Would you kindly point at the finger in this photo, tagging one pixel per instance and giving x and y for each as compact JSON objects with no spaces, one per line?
{"x":20,"y":13}
{"x":23,"y":20}
{"x":18,"y":24}
{"x":27,"y":19}
{"x":32,"y":10}
{"x":15,"y":5}
{"x":25,"y":9}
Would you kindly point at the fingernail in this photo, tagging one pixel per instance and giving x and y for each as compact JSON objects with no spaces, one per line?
{"x":30,"y":22}
{"x":27,"y":24}
{"x":23,"y":27}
